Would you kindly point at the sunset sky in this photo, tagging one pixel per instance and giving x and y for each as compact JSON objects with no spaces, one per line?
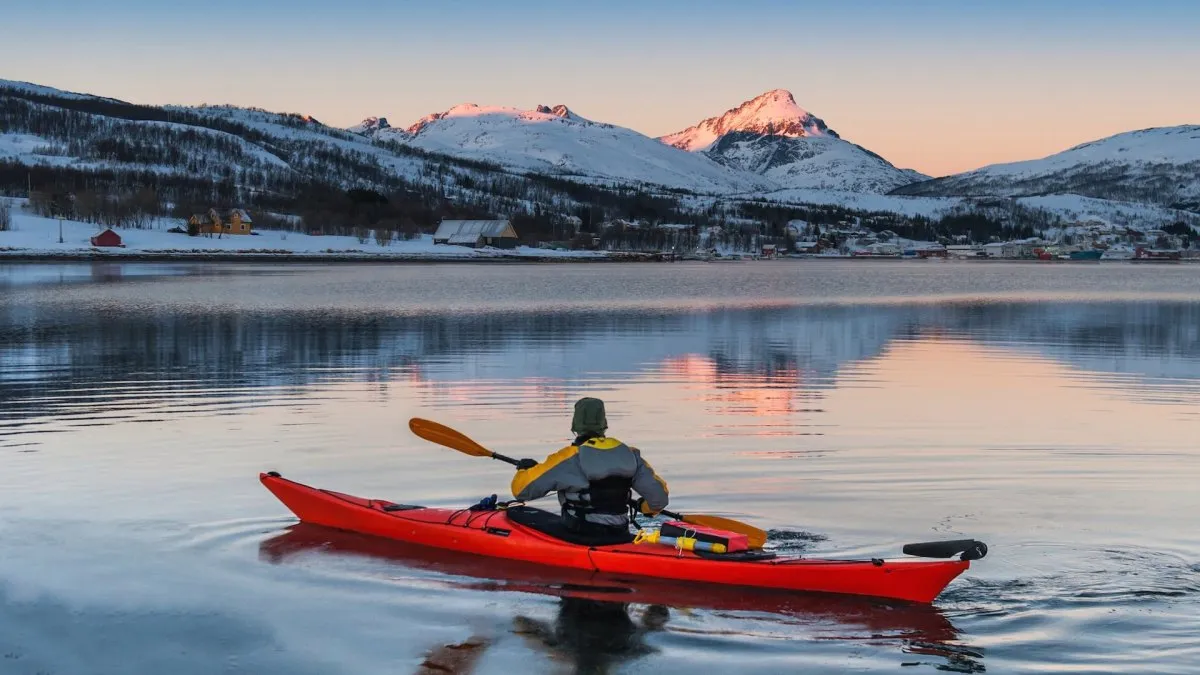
{"x":938,"y":86}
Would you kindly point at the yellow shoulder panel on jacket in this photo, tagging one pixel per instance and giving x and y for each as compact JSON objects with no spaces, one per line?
{"x":602,"y":443}
{"x":526,"y":476}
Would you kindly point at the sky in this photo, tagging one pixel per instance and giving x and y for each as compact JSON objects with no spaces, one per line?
{"x":936,"y":85}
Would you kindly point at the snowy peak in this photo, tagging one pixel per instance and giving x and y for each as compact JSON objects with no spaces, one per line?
{"x":559,"y":110}
{"x":773,"y":113}
{"x":370,"y":125}
{"x":771,"y":136}
{"x":502,"y":114}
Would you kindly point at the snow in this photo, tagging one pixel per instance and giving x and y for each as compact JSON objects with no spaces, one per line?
{"x":818,"y":163}
{"x":1159,"y":165}
{"x":370,"y":125}
{"x":476,"y":228}
{"x":35,"y":235}
{"x":570,"y":145}
{"x":908,"y":206}
{"x":773,"y":137}
{"x":1132,"y":214}
{"x":276,"y":126}
{"x":37,"y":89}
{"x":774,"y":112}
{"x":22,"y":147}
{"x":1168,"y":145}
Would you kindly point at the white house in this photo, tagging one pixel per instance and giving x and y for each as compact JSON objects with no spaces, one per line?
{"x":476,"y":233}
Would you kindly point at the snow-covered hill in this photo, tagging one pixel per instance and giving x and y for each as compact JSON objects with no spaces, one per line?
{"x":1156,"y":166}
{"x":556,"y":141}
{"x":771,"y":136}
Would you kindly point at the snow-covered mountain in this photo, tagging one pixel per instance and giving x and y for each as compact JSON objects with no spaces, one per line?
{"x":1156,"y":166}
{"x":771,"y":136}
{"x":370,"y":125}
{"x":493,"y":160}
{"x":774,"y":113}
{"x":556,"y":141}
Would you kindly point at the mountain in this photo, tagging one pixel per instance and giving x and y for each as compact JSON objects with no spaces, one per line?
{"x":541,"y":166}
{"x":370,"y":125}
{"x":774,"y":113}
{"x":1156,"y":166}
{"x":191,"y":157}
{"x":771,"y":136}
{"x":556,"y":141}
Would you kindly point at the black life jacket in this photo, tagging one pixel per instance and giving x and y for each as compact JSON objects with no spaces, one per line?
{"x":608,"y":496}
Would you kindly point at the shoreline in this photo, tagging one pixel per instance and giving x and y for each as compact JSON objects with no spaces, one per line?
{"x":350,"y":257}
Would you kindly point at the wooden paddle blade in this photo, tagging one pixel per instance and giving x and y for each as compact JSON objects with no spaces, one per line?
{"x":754,"y":536}
{"x":444,"y":435}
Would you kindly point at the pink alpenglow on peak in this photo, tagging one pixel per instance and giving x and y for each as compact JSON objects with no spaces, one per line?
{"x":541,"y":113}
{"x":369,"y":125}
{"x":774,"y":113}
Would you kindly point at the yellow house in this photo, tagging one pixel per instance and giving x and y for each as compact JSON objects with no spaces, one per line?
{"x":238,"y":222}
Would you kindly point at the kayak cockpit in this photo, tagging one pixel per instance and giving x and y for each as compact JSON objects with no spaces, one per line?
{"x":551,"y":525}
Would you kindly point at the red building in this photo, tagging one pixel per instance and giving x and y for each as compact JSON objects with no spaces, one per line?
{"x":107,"y":238}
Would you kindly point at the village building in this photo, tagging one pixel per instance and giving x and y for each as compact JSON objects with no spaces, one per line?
{"x":107,"y":238}
{"x":236,"y":221}
{"x":476,"y":233}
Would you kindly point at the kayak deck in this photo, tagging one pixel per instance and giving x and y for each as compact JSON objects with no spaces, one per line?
{"x":493,"y":534}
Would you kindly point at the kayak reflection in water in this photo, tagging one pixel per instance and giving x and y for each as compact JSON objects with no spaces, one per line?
{"x":595,"y":477}
{"x":593,"y":635}
{"x":593,"y":631}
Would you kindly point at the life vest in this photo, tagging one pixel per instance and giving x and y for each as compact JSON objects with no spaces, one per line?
{"x":605,"y":501}
{"x":608,"y":496}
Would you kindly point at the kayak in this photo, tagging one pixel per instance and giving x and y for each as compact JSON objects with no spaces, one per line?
{"x":497,"y":534}
{"x":872,"y":616}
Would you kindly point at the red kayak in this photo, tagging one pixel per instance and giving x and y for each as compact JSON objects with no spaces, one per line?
{"x":497,"y":534}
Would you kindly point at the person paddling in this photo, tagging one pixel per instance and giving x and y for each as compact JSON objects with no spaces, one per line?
{"x":594,"y":477}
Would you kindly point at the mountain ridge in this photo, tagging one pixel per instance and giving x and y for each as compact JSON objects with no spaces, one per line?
{"x":1156,"y":165}
{"x":771,"y":136}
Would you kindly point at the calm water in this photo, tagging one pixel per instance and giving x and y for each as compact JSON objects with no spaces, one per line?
{"x":1050,"y":410}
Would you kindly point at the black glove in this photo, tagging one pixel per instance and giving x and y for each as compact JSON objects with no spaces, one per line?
{"x":527,"y":464}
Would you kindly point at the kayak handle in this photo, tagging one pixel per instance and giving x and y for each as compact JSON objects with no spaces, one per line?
{"x":971,"y":549}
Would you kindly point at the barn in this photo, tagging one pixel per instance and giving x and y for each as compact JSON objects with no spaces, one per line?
{"x":107,"y":238}
{"x":476,"y":233}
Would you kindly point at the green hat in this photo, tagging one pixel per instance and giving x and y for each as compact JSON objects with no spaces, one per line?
{"x":589,"y":417}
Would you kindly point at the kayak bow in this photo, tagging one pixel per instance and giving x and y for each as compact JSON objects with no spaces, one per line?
{"x":493,"y":534}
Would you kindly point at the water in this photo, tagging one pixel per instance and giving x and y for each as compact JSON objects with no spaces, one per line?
{"x":1049,"y":410}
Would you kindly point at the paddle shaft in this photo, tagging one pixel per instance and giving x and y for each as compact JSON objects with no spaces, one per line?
{"x":505,"y":458}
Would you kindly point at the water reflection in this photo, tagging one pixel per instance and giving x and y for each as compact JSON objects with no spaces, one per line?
{"x":62,"y":363}
{"x":602,"y":621}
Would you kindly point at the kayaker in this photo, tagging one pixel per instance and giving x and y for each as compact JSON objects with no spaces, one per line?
{"x":594,"y":477}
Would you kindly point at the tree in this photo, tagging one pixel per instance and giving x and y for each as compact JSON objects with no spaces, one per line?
{"x":383,"y":235}
{"x":5,"y":216}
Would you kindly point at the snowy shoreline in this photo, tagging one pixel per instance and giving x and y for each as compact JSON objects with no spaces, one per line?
{"x":31,"y":238}
{"x":93,"y":255}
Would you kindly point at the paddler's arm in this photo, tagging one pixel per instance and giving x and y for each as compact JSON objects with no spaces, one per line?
{"x":544,"y":478}
{"x":650,"y":486}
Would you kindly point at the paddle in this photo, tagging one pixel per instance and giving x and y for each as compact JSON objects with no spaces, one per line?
{"x":755,"y":537}
{"x":455,"y":440}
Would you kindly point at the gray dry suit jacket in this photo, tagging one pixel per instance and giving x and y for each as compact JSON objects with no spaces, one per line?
{"x":570,"y":470}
